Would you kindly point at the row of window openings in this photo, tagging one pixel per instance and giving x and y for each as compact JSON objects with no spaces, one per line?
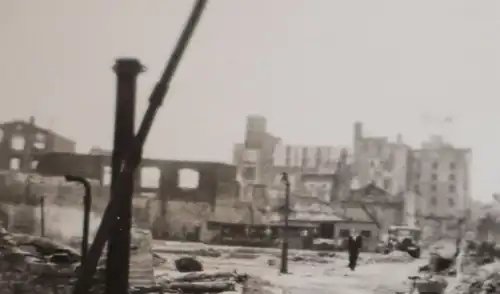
{"x":451,"y":201}
{"x":434,"y":177}
{"x":451,"y":188}
{"x":151,"y":177}
{"x":435,"y":165}
{"x":18,"y":142}
{"x":15,"y":164}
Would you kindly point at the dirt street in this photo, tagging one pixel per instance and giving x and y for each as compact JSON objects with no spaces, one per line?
{"x":308,"y":271}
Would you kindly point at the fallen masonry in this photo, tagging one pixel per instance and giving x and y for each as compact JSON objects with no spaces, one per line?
{"x":32,"y":264}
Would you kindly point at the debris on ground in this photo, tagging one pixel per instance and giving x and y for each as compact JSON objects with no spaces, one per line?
{"x":188,"y":264}
{"x":158,"y":260}
{"x":198,"y":282}
{"x":42,"y":265}
{"x":478,"y":280}
{"x":394,"y":256}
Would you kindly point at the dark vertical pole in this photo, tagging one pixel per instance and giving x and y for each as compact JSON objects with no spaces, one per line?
{"x":42,"y":216}
{"x":286,"y":214}
{"x":87,"y":205}
{"x":117,"y":266}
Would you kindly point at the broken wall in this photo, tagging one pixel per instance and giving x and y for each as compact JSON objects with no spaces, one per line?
{"x":184,"y":193}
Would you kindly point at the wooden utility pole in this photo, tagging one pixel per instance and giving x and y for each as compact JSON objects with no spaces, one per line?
{"x":286,"y":215}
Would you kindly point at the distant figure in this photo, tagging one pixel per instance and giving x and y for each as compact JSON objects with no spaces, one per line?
{"x":354,"y":244}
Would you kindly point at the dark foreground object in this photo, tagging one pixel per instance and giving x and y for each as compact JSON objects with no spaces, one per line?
{"x":188,"y":264}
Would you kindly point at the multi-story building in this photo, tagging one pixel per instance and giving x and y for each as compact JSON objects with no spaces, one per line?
{"x":21,"y":141}
{"x":437,"y":175}
{"x":381,"y":162}
{"x":440,"y":173}
{"x":254,"y":157}
{"x":433,"y":181}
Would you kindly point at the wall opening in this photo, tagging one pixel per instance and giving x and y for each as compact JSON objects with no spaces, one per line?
{"x":17,"y":142}
{"x":150,"y":177}
{"x":40,"y":141}
{"x":15,"y":164}
{"x":106,"y":176}
{"x":188,"y":178}
{"x":34,"y":164}
{"x":1,"y":135}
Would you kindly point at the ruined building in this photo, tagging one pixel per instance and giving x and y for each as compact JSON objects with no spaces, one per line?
{"x":177,"y":204}
{"x":20,"y":141}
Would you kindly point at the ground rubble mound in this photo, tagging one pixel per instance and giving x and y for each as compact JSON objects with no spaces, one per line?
{"x":394,"y":256}
{"x":33,"y":264}
{"x":482,"y":279}
{"x":203,"y":282}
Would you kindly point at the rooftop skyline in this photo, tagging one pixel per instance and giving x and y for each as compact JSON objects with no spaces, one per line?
{"x":312,"y":68}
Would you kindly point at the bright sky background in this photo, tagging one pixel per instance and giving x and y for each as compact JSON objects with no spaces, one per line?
{"x":311,"y":67}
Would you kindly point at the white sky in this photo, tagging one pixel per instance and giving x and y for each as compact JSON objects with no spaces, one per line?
{"x":311,"y":67}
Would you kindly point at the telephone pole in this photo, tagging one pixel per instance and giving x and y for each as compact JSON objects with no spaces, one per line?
{"x":286,"y":215}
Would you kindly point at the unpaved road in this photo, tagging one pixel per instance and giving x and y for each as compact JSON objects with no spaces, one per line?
{"x":330,"y":276}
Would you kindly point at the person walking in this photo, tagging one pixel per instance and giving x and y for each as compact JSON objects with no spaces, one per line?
{"x":354,"y":244}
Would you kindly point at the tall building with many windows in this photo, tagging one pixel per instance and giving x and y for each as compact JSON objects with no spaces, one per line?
{"x":440,"y":173}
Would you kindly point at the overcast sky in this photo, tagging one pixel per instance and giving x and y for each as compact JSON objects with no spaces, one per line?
{"x":311,"y":67}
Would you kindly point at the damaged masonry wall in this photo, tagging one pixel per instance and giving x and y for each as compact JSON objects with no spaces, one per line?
{"x":20,"y":199}
{"x":173,"y":206}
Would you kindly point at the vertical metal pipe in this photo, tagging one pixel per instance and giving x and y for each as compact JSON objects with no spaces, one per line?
{"x":286,"y":214}
{"x":87,"y":204}
{"x":117,"y":266}
{"x":42,"y":216}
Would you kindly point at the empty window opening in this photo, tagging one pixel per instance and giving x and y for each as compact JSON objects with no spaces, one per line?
{"x":1,"y":135}
{"x":15,"y":164}
{"x":106,"y":175}
{"x":34,"y":164}
{"x":40,"y":141}
{"x":150,"y":177}
{"x":17,"y":142}
{"x":188,"y":179}
{"x":249,"y":173}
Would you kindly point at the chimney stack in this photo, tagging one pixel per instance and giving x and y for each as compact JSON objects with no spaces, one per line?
{"x":32,"y":120}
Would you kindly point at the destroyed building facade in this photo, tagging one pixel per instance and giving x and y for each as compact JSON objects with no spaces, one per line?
{"x":20,"y":140}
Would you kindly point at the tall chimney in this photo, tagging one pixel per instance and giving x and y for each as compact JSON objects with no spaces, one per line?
{"x":32,"y":120}
{"x":358,"y":130}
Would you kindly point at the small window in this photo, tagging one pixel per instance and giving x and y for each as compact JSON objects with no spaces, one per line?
{"x":106,"y":176}
{"x":34,"y":164}
{"x":387,"y":184}
{"x":17,"y":142}
{"x":40,"y":141}
{"x":434,"y":201}
{"x":452,"y":177}
{"x":344,"y":233}
{"x":435,"y":165}
{"x":249,"y":173}
{"x":453,"y":166}
{"x":451,"y":202}
{"x":433,"y":188}
{"x":434,"y":177}
{"x":366,"y":234}
{"x":15,"y":164}
{"x":452,"y":188}
{"x":417,"y":176}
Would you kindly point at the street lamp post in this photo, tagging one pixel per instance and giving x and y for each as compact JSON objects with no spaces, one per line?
{"x":286,"y":214}
{"x":42,"y":216}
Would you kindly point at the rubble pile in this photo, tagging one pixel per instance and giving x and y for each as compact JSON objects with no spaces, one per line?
{"x":484,"y":279}
{"x":200,"y":282}
{"x":394,"y":256}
